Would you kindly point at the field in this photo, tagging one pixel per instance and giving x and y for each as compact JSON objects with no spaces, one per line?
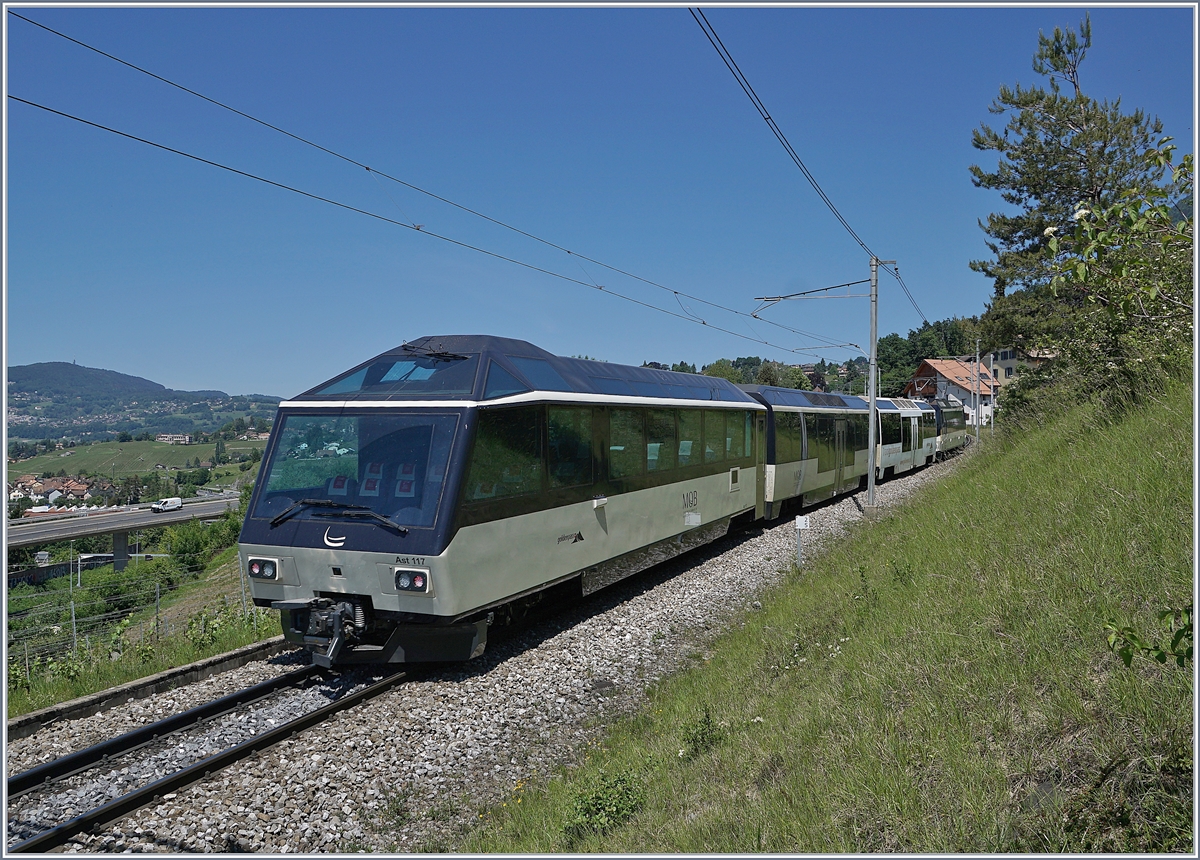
{"x":940,"y":682}
{"x":117,"y":459}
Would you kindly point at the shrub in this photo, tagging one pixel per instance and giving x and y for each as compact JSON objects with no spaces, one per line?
{"x":610,"y":800}
{"x":701,"y":736}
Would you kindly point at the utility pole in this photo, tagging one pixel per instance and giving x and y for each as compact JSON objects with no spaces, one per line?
{"x":872,"y":423}
{"x":995,"y":389}
{"x":978,"y":398}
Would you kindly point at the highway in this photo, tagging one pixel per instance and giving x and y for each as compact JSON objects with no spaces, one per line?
{"x":39,"y":531}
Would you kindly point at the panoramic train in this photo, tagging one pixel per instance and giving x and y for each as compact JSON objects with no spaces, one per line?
{"x":406,"y":504}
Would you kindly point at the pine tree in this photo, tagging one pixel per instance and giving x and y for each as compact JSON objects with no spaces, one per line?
{"x":1057,"y":152}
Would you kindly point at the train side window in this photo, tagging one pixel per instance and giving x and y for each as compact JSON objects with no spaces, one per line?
{"x":856,"y":434}
{"x":569,"y":454}
{"x":507,"y":460}
{"x":822,"y":443}
{"x":788,"y":438}
{"x":689,"y":436}
{"x":714,"y":435}
{"x":539,"y":371}
{"x":626,"y":443}
{"x":889,"y":428}
{"x":736,"y":441}
{"x":906,"y":434}
{"x":660,"y":435}
{"x":826,"y":443}
{"x":501,"y":383}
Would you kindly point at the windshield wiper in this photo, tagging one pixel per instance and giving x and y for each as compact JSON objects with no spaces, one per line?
{"x":316,"y":503}
{"x":436,"y":354}
{"x":360,"y":512}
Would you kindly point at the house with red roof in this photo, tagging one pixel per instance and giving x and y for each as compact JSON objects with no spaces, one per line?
{"x":955,"y":380}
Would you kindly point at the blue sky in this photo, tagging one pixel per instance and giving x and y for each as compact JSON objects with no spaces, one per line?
{"x":616,"y":133}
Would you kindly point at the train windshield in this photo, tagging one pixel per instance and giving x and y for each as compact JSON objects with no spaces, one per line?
{"x":392,"y":464}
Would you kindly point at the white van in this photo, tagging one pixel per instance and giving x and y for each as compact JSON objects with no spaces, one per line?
{"x":172,"y":504}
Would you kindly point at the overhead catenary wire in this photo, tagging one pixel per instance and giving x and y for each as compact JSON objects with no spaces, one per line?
{"x":768,"y":301}
{"x":807,"y":350}
{"x":744,"y":82}
{"x":828,"y":343}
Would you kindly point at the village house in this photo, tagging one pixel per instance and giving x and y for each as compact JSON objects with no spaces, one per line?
{"x":71,"y":487}
{"x":1007,"y":364}
{"x":955,"y":380}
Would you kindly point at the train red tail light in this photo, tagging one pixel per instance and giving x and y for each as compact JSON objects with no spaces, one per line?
{"x":262,"y":568}
{"x":408,"y":579}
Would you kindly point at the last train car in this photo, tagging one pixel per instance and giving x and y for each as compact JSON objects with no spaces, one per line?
{"x":406,"y":503}
{"x":951,"y":427}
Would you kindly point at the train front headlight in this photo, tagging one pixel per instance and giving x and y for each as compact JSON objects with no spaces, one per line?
{"x":263,"y":568}
{"x":408,"y":579}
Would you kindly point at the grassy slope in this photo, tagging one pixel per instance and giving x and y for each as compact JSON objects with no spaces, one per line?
{"x":218,"y":586}
{"x":941,"y":682}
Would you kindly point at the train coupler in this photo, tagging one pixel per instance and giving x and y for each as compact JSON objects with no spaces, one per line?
{"x":321,"y":624}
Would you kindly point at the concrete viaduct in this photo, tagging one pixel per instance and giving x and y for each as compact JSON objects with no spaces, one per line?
{"x":43,"y":530}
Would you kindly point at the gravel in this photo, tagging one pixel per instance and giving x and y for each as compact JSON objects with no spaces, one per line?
{"x":412,"y":770}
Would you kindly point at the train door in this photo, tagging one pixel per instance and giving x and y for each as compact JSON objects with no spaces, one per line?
{"x":839,"y":447}
{"x":918,"y":456}
{"x":760,"y":461}
{"x":907,"y":431}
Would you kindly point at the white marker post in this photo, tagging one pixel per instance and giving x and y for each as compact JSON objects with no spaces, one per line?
{"x":801,"y":525}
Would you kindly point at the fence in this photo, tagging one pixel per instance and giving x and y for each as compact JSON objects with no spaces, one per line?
{"x":49,"y":623}
{"x":38,"y":575}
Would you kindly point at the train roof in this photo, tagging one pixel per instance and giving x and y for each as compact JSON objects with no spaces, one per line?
{"x":901,"y":403}
{"x":776,"y":396}
{"x":485,"y":367}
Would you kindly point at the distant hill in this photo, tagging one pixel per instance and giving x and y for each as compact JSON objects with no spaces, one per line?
{"x":62,"y":380}
{"x":54,"y":398}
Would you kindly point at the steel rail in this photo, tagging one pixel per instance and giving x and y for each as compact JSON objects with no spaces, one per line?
{"x":23,"y":783}
{"x":134,"y":800}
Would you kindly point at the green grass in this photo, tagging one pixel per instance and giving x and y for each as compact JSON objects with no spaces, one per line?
{"x":939,"y":682}
{"x":225,"y":475}
{"x":119,"y":458}
{"x":142,"y":654}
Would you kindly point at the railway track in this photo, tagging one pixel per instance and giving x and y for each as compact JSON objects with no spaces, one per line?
{"x":28,"y":829}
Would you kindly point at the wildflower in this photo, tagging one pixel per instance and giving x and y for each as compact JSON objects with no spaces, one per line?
{"x":756,"y":720}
